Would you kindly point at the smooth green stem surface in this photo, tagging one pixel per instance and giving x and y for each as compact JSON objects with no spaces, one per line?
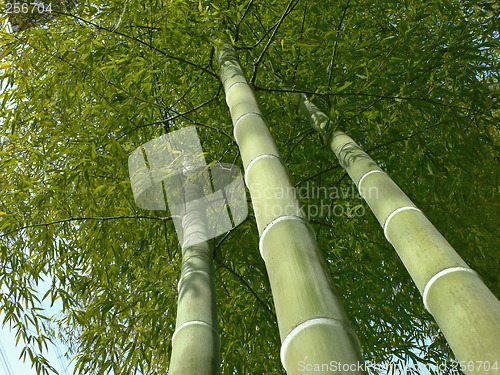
{"x":196,"y":342}
{"x":464,"y":308}
{"x":313,"y":326}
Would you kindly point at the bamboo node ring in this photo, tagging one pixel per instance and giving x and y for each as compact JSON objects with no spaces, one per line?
{"x":263,"y":156}
{"x":440,"y":274}
{"x":197,"y":322}
{"x":242,"y":117}
{"x":391,"y":215}
{"x":272,"y":223}
{"x":230,"y":87}
{"x":363,"y":177}
{"x":306,"y":324}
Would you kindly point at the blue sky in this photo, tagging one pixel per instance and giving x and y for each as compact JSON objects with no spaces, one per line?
{"x":11,"y":362}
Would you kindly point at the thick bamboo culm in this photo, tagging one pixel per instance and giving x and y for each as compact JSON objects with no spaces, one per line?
{"x":196,"y":341}
{"x":463,"y":307}
{"x":313,"y":326}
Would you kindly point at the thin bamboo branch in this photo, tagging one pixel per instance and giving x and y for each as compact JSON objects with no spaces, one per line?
{"x":90,"y":218}
{"x":261,"y":39}
{"x":330,"y":67}
{"x":247,"y":285}
{"x":378,"y":96}
{"x":298,"y":142}
{"x":183,"y":114}
{"x":237,"y":31}
{"x":166,"y":54}
{"x":85,"y":74}
{"x":283,"y":16}
{"x":464,"y":308}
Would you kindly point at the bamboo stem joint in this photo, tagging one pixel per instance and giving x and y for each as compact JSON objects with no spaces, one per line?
{"x":440,"y":274}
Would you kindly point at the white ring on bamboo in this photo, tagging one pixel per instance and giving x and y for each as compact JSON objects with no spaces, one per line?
{"x":198,"y":322}
{"x":391,"y":215}
{"x":230,"y":87}
{"x":191,"y":272}
{"x":263,"y":156}
{"x":441,"y":273}
{"x":241,"y":118}
{"x":185,"y":244}
{"x":300,"y":327}
{"x":272,"y":223}
{"x":363,"y":177}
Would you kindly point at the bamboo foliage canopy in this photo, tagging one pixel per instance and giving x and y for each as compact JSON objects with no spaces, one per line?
{"x":414,"y":83}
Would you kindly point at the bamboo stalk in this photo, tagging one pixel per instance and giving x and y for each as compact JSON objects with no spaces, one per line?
{"x":313,"y":326}
{"x":464,"y":308}
{"x":196,"y":341}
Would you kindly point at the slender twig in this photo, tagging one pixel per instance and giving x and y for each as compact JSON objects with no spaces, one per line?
{"x":302,"y":26}
{"x":183,"y":114}
{"x":117,"y":86}
{"x":144,"y":27}
{"x":298,"y":135}
{"x":378,"y":96}
{"x":85,"y":74}
{"x":401,"y":139}
{"x":301,"y":34}
{"x":405,"y":138}
{"x":166,"y":54}
{"x":211,"y":128}
{"x":96,"y":218}
{"x":330,"y":73}
{"x":323,"y":221}
{"x":410,"y":82}
{"x":156,"y":95}
{"x":220,"y":243}
{"x":308,"y":133}
{"x":317,"y":174}
{"x":256,"y":64}
{"x":260,"y":40}
{"x":169,"y":252}
{"x":166,"y":120}
{"x":237,"y":275}
{"x":237,"y":31}
{"x":247,"y":285}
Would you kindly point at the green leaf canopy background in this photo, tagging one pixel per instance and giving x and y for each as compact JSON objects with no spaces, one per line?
{"x":414,"y":83}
